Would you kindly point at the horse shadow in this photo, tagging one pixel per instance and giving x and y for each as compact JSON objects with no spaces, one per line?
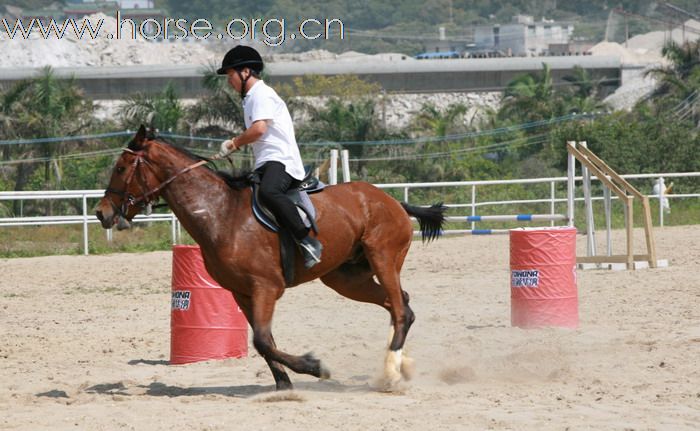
{"x":159,"y":389}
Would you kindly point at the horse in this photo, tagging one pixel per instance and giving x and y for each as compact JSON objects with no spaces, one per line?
{"x":365,"y":233}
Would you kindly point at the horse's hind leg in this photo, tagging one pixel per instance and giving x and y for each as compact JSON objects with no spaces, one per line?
{"x":356,"y":282}
{"x":280,"y":375}
{"x":360,"y":286}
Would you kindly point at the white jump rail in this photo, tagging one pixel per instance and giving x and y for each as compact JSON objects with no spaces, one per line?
{"x":86,"y":216}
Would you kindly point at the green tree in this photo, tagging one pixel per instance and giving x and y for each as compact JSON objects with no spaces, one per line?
{"x":584,"y":93}
{"x":530,"y":97}
{"x":434,"y":122}
{"x":45,"y":106}
{"x":351,"y":122}
{"x":218,"y":112}
{"x":682,"y":76}
{"x":162,"y":111}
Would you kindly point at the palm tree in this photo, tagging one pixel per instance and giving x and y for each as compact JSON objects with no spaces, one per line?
{"x":682,"y":76}
{"x":219,"y":111}
{"x":346,"y":121}
{"x":45,"y":106}
{"x":162,"y":111}
{"x":439,"y":122}
{"x":530,"y":97}
{"x":584,"y":94}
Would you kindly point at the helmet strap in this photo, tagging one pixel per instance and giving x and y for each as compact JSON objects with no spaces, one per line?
{"x":244,"y":82}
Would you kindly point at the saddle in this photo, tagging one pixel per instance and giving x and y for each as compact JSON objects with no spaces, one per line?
{"x":300,"y":197}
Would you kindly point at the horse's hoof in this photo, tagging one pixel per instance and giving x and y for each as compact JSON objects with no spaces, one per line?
{"x":408,"y":368}
{"x":284,"y":386}
{"x":325,"y":373}
{"x":315,"y":367}
{"x":388,"y":383}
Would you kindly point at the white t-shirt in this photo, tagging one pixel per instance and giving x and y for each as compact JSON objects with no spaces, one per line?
{"x":278,"y":143}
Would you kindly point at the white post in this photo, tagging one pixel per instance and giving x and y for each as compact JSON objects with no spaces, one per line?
{"x":109,"y":235}
{"x":590,"y":226}
{"x":662,"y":190}
{"x":173,"y":229}
{"x":179,"y":230}
{"x":333,"y":171}
{"x":552,"y":193}
{"x":405,"y":194}
{"x":345,"y":162}
{"x":85,"y":226}
{"x":473,"y":204}
{"x":571,"y":173}
{"x":608,"y":219}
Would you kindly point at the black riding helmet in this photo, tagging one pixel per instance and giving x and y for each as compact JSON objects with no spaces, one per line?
{"x":239,"y":57}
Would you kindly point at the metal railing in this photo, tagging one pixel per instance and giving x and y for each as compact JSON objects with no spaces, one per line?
{"x":86,"y":217}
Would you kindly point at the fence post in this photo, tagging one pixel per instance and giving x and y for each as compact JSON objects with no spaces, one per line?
{"x":333,"y":171}
{"x":173,"y":229}
{"x":571,"y":171}
{"x":405,"y":194}
{"x":587,"y":196}
{"x":473,"y":204}
{"x":662,"y":190}
{"x":608,"y":219}
{"x":345,"y":162}
{"x":85,"y":225}
{"x":551,"y":205}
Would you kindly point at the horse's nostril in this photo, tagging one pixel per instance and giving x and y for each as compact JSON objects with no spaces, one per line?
{"x":98,"y":213}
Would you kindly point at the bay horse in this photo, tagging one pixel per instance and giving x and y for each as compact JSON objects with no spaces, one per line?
{"x":365,"y":234}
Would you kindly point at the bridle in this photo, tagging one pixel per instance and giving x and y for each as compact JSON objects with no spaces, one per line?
{"x":151,"y":194}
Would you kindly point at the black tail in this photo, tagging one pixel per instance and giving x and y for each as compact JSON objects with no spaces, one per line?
{"x":430,"y":219}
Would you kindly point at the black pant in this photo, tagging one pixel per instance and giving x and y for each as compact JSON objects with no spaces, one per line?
{"x":274,"y":183}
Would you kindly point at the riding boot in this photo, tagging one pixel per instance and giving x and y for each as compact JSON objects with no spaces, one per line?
{"x":311,"y":250}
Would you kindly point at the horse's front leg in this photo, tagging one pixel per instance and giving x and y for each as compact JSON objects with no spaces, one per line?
{"x":282,"y":381}
{"x":263,"y":307}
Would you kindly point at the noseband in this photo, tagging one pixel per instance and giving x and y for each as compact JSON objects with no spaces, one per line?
{"x":147,"y":197}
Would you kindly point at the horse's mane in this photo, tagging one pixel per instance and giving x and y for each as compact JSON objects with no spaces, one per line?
{"x":238,"y":181}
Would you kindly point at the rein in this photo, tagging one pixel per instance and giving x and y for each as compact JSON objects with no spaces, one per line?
{"x":146,"y":198}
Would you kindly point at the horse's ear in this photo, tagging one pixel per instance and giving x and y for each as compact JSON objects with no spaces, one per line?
{"x":138,"y":140}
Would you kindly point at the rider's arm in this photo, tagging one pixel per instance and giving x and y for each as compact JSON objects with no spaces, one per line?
{"x":252,"y":134}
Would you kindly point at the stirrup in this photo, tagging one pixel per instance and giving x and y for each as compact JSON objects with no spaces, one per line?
{"x":311,"y":249}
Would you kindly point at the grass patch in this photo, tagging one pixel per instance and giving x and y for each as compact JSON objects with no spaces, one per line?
{"x":31,"y":241}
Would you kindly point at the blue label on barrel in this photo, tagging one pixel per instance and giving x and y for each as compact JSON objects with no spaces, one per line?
{"x":180,"y":300}
{"x":524,"y":278}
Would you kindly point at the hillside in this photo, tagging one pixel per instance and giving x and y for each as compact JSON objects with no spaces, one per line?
{"x":373,"y":26}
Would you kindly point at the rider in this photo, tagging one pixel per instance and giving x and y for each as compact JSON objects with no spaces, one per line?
{"x":270,"y":131}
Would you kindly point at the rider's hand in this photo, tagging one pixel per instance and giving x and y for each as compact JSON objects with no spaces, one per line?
{"x":227,"y":147}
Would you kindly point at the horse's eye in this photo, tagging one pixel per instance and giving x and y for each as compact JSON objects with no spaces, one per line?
{"x":120,"y":169}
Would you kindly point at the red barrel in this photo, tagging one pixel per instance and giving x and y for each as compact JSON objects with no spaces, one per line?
{"x":205,"y":321}
{"x":543,"y":277}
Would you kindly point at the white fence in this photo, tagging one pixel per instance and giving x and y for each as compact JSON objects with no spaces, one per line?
{"x":87,"y":216}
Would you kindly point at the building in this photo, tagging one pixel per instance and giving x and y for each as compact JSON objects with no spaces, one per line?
{"x":522,"y":37}
{"x":443,"y":47}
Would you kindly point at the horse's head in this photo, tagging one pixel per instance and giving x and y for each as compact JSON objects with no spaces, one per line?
{"x":131,"y":186}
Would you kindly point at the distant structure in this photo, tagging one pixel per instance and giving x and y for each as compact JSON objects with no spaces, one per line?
{"x":443,"y":47}
{"x":135,"y":10}
{"x":522,"y":37}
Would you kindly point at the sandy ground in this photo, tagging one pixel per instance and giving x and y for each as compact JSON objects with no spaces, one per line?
{"x":85,"y":344}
